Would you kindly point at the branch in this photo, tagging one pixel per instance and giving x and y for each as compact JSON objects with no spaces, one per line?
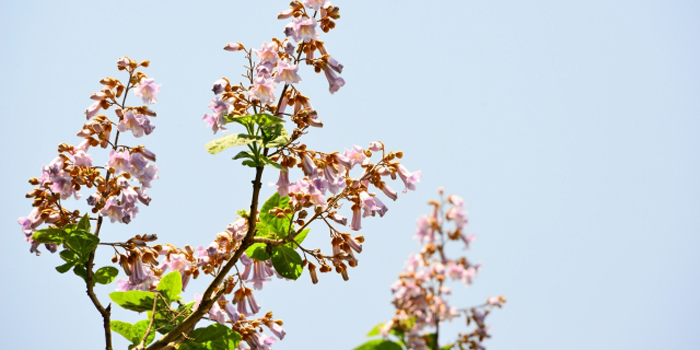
{"x":169,"y":339}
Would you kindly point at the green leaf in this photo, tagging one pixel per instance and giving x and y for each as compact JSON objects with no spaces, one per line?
{"x":300,"y":237}
{"x":50,"y":235}
{"x":266,"y":119}
{"x":273,"y":163}
{"x":134,"y":300}
{"x":214,"y":337}
{"x":84,"y":223}
{"x":228,"y":141}
{"x":281,"y":140}
{"x":275,"y":224}
{"x":139,"y":329}
{"x":123,"y":328}
{"x":105,"y":275}
{"x":170,"y":286}
{"x":379,"y":344}
{"x":244,"y":154}
{"x":65,"y":267}
{"x":287,"y":262}
{"x":82,"y":243}
{"x":243,"y":213}
{"x":257,"y":251}
{"x":262,"y":230}
{"x":81,"y":271}
{"x":375,"y":330}
{"x":67,"y":255}
{"x":251,"y":163}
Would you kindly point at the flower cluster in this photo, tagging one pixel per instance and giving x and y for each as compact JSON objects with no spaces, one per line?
{"x":262,"y":244}
{"x":278,"y":62}
{"x":73,"y":169}
{"x":420,"y":293}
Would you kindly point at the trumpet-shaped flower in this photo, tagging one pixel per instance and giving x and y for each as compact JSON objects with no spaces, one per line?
{"x":268,"y":53}
{"x":302,"y":29}
{"x":263,"y":91}
{"x":334,"y":82}
{"x":147,"y":90}
{"x":409,"y":179}
{"x":120,"y":161}
{"x":317,"y":4}
{"x":287,"y":72}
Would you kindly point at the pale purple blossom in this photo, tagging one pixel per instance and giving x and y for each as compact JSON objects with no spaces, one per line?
{"x":264,"y":70}
{"x":317,"y":5}
{"x":113,"y":210}
{"x":334,"y":81}
{"x":268,"y":52}
{"x":356,"y":156}
{"x":233,"y":46}
{"x":408,"y":178}
{"x":179,"y":263}
{"x":137,"y":123}
{"x":147,"y":90}
{"x":120,"y":161}
{"x":356,"y":223}
{"x":287,"y":72}
{"x":263,"y":91}
{"x":288,"y":47}
{"x":93,"y":109}
{"x":302,"y":29}
{"x":283,"y":183}
{"x":123,"y":62}
{"x":276,"y":329}
{"x":219,"y":86}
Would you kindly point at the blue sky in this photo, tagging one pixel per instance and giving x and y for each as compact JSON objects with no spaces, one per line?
{"x":570,"y":128}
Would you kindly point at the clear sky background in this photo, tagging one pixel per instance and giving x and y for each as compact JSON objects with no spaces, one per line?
{"x":569,"y":127}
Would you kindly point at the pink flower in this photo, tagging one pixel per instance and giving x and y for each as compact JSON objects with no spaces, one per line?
{"x":356,"y":223}
{"x":120,"y":161}
{"x":309,"y":166}
{"x":149,"y":174}
{"x":283,"y":184}
{"x":123,"y":62}
{"x":302,"y":29}
{"x":93,"y":109}
{"x":261,"y":341}
{"x":334,"y":82}
{"x":219,"y":86}
{"x":338,"y":218}
{"x":317,"y":4}
{"x":233,"y":46}
{"x":263,"y":91}
{"x":137,"y":123}
{"x":268,"y":53}
{"x":356,"y":156}
{"x":177,"y":262}
{"x":389,"y":192}
{"x":371,"y":205}
{"x":285,"y":14}
{"x":80,"y":158}
{"x":287,"y":72}
{"x":113,"y":210}
{"x":335,"y":182}
{"x":289,"y":47}
{"x":147,"y":90}
{"x":216,"y":123}
{"x":276,"y":329}
{"x":264,"y":70}
{"x":408,"y":178}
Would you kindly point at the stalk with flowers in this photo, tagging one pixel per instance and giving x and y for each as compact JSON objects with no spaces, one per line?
{"x":420,"y":294}
{"x":262,"y":243}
